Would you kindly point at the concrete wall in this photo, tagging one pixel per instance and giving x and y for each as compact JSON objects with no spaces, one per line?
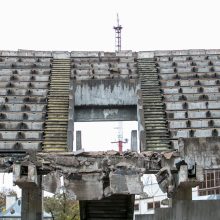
{"x":208,"y":148}
{"x":190,"y":210}
{"x":118,"y":113}
{"x":106,"y":92}
{"x":106,"y":100}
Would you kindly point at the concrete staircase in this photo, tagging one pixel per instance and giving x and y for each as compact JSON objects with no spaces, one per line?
{"x":55,"y":134}
{"x":111,"y":208}
{"x":157,"y":135}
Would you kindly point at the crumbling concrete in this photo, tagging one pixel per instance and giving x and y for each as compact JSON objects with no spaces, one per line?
{"x":95,"y":175}
{"x":204,"y":152}
{"x":87,"y":175}
{"x":106,"y":86}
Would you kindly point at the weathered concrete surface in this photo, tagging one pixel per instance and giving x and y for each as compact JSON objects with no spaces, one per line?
{"x":70,"y":130}
{"x":186,"y":210}
{"x":51,"y":182}
{"x":106,"y":92}
{"x":115,"y":173}
{"x":141,"y":121}
{"x":125,"y":179}
{"x":105,"y":113}
{"x":32,"y":204}
{"x":87,"y":186}
{"x":121,"y":183}
{"x":87,"y":175}
{"x":205,"y":152}
{"x":95,"y":175}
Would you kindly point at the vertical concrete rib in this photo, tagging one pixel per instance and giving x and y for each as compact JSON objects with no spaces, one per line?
{"x":157,"y":135}
{"x":56,"y":125}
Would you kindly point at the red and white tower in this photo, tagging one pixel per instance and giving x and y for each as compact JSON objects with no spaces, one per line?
{"x":120,"y":140}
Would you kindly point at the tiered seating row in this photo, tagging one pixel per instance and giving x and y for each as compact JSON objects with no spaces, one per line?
{"x":24,"y":83}
{"x":103,"y":68}
{"x":191,"y":94}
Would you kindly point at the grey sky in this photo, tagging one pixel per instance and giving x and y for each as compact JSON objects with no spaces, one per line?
{"x":87,"y":24}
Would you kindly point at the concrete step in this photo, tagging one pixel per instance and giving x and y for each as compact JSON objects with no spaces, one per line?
{"x":157,"y":141}
{"x":54,"y":148}
{"x":161,"y":135}
{"x":159,"y":148}
{"x":157,"y":135}
{"x":55,"y":137}
{"x":56,"y":124}
{"x":56,"y":132}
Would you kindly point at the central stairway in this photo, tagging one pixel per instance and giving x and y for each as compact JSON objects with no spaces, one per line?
{"x":56,"y":125}
{"x":157,"y":135}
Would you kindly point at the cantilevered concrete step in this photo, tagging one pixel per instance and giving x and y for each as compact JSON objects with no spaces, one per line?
{"x":157,"y":135}
{"x":55,"y":133}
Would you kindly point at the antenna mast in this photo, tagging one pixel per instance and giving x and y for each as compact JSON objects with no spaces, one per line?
{"x":120,"y":141}
{"x":118,"y":29}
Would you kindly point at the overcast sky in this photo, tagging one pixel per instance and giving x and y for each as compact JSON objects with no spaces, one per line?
{"x":88,"y":24}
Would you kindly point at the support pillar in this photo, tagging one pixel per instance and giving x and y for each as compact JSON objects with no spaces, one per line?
{"x":183,"y":193}
{"x":26,"y":177}
{"x":134,"y":140}
{"x":78,"y":140}
{"x":184,"y":189}
{"x":32,"y":203}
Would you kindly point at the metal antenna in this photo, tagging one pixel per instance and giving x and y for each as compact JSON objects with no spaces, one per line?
{"x":118,"y":29}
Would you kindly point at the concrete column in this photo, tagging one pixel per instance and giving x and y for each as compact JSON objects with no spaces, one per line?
{"x":141,"y":121}
{"x":70,"y":131}
{"x":183,"y":193}
{"x":134,"y":140}
{"x":78,"y":140}
{"x":184,"y":190}
{"x":32,"y":202}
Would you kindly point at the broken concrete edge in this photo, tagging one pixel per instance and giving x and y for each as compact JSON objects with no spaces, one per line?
{"x":40,"y":158}
{"x":66,"y":54}
{"x":123,"y":53}
{"x":184,"y":177}
{"x":189,"y":52}
{"x":84,"y":172}
{"x":206,"y":146}
{"x":111,"y":166}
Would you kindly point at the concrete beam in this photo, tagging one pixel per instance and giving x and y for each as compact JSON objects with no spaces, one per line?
{"x":80,"y":54}
{"x":105,"y":113}
{"x":106,"y":92}
{"x":99,"y":174}
{"x":61,"y":54}
{"x":145,"y":54}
